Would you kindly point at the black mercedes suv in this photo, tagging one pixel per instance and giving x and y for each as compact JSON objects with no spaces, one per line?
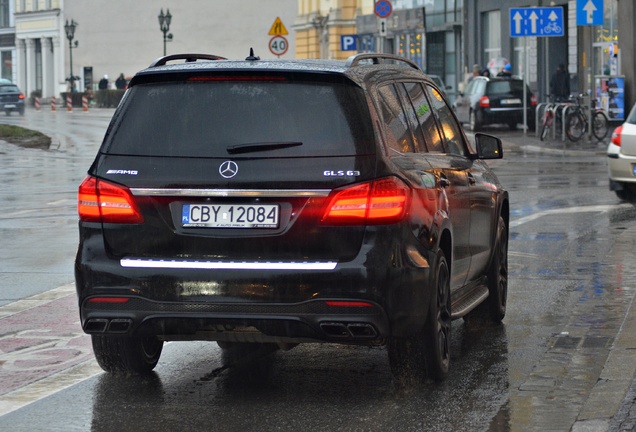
{"x":282,"y":202}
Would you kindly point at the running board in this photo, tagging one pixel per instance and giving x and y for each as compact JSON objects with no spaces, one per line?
{"x":468,"y":302}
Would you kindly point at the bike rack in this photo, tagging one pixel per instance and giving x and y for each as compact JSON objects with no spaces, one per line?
{"x":538,"y":116}
{"x":565,"y":111}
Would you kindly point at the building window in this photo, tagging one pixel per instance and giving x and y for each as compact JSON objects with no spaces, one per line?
{"x":491,"y":35}
{"x":5,"y":14}
{"x":7,"y":65}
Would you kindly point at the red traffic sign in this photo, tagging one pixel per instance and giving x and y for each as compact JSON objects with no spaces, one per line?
{"x":278,"y":45}
{"x":383,"y":8}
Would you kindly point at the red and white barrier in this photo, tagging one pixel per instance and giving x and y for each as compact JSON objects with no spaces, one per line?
{"x":85,"y":103}
{"x":37,"y":104}
{"x":69,"y":103}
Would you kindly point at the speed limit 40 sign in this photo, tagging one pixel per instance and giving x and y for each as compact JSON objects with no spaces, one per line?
{"x":278,"y":45}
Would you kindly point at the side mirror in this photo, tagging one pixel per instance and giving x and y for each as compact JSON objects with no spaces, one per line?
{"x":488,"y":146}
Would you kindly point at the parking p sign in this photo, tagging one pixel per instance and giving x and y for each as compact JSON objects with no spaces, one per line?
{"x":348,"y":43}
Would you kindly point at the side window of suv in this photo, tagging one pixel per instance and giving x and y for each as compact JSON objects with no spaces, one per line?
{"x":424,"y":120}
{"x":451,"y":130}
{"x":398,"y":133}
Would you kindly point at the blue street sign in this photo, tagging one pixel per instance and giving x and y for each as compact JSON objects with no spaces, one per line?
{"x":589,"y":12}
{"x":536,"y":21}
{"x":348,"y":43}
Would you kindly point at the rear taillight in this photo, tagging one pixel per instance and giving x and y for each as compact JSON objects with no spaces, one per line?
{"x":108,"y":300}
{"x":616,"y":136}
{"x":21,"y":96}
{"x":533,"y":100}
{"x":101,"y":201}
{"x":381,"y":201}
{"x":484,"y":102}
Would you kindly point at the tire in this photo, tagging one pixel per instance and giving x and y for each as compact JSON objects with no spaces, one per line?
{"x":600,"y":125}
{"x":498,"y":275}
{"x":137,"y":355}
{"x":574,"y":126}
{"x":426,"y":355}
{"x":474,"y":121}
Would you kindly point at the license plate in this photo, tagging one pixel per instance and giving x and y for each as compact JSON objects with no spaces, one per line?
{"x":230,"y":216}
{"x":9,"y":106}
{"x":510,"y":101}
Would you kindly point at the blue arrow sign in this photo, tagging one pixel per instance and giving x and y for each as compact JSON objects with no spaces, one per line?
{"x":536,"y":21}
{"x":589,"y":12}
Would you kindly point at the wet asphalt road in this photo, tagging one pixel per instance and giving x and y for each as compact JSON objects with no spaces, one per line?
{"x":561,"y":361}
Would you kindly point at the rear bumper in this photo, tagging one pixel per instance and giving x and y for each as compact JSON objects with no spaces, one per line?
{"x":281,"y":302}
{"x":504,"y":115}
{"x":621,"y":167}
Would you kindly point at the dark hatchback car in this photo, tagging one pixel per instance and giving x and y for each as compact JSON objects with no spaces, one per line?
{"x":11,"y":98}
{"x":488,"y":101}
{"x":282,"y":202}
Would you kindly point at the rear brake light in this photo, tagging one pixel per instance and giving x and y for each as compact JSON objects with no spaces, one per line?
{"x":339,"y":303}
{"x":108,"y":300}
{"x":381,"y":201}
{"x":21,"y":96}
{"x":616,"y":136}
{"x":238,"y":78}
{"x":101,"y":201}
{"x":484,"y":102}
{"x":533,"y":100}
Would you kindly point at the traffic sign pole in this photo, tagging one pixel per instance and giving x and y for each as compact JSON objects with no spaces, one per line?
{"x":382,"y":9}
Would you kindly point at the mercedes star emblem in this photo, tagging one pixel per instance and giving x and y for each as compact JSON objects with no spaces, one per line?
{"x":228,"y":169}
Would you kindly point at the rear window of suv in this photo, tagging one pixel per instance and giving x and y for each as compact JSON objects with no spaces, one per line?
{"x":504,"y":87}
{"x":265,"y":117}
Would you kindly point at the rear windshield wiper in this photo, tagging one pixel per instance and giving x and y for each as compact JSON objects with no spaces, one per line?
{"x":262,"y":146}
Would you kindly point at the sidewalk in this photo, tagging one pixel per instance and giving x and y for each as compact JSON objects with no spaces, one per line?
{"x":517,"y":140}
{"x":611,"y":405}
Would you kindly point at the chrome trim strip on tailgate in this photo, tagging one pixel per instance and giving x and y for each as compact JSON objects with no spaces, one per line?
{"x":231,"y":192}
{"x":225,"y":265}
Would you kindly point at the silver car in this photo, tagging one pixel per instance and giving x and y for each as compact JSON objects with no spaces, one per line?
{"x":622,"y":159}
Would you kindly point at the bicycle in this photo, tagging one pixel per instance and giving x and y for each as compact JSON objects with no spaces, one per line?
{"x":576,"y":123}
{"x":551,"y":118}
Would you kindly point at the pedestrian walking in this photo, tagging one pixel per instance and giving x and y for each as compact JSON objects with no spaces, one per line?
{"x":103,"y":83}
{"x":506,"y":72}
{"x":560,"y":84}
{"x":120,"y":82}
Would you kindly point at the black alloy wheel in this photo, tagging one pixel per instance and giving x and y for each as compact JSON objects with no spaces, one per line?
{"x":426,"y":354}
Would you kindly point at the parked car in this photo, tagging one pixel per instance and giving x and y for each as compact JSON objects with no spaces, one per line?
{"x":283,"y":202}
{"x":497,"y":100}
{"x":11,"y":98}
{"x":621,"y":152}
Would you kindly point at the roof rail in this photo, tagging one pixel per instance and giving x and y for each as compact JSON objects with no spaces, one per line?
{"x":187,"y":57}
{"x":377,"y":58}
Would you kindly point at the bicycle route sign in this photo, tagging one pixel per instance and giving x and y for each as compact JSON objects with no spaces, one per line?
{"x":536,"y":21}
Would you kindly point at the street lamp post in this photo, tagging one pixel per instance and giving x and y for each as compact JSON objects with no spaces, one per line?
{"x":164,"y":26}
{"x":69,"y":28}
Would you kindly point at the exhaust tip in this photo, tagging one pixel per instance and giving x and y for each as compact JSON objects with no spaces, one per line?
{"x":96,"y":325}
{"x":335,"y":329}
{"x":119,"y":325}
{"x":349,"y":330}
